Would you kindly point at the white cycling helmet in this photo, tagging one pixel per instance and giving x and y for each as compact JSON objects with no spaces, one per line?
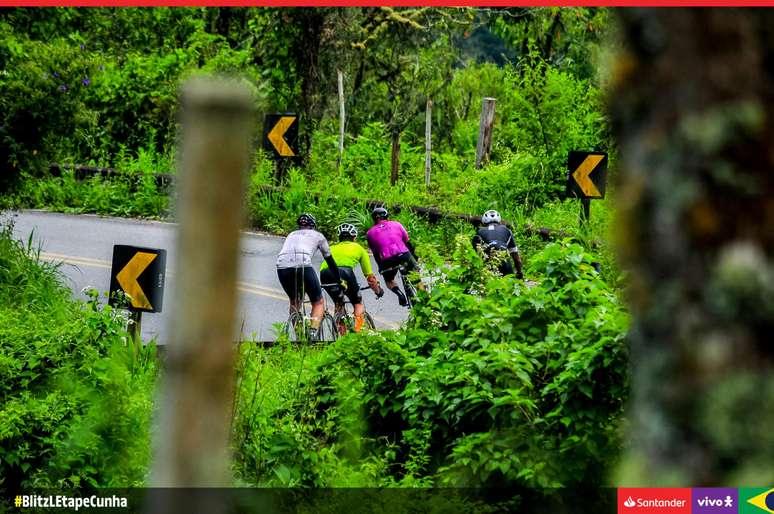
{"x":347,"y":228}
{"x":491,"y":217}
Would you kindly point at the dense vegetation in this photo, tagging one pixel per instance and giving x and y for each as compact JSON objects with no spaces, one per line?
{"x":99,"y":87}
{"x":512,"y":386}
{"x":491,"y":383}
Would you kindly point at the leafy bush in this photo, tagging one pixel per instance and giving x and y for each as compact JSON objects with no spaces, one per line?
{"x":492,"y":383}
{"x":75,"y":400}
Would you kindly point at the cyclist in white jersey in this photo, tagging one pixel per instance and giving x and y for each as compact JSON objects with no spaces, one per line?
{"x":295,"y":270}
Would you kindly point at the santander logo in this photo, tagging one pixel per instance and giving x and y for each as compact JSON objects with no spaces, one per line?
{"x":641,"y":500}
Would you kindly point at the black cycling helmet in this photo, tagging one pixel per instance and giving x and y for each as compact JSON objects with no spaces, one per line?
{"x":380,"y":213}
{"x":306,"y":220}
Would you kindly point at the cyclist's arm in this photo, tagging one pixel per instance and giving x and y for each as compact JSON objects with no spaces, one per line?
{"x":365,"y":265}
{"x":365,"y":262}
{"x":410,"y":246}
{"x":374,"y":250}
{"x":334,"y":269}
{"x":514,"y":251}
{"x":518,"y":264}
{"x":325,"y":250}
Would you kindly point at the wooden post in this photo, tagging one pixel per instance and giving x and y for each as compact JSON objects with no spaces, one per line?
{"x":428,"y":140}
{"x":395,"y":163}
{"x":218,"y":120}
{"x":341,"y":119}
{"x":485,"y":131}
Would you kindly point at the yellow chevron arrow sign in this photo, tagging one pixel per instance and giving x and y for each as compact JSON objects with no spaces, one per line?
{"x":582,"y":172}
{"x":127,"y":278}
{"x":277,"y":136}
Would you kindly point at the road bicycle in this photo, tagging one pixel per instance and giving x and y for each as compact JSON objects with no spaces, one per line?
{"x":344,"y":321}
{"x":298,"y":326}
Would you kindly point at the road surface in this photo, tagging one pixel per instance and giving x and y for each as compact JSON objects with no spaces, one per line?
{"x":83,"y":244}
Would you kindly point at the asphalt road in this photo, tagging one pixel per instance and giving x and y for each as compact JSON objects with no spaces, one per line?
{"x":83,"y":244}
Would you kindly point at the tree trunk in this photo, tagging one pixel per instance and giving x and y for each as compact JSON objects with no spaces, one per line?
{"x":395,"y":162}
{"x":485,"y":131}
{"x":342,"y":118}
{"x":693,"y":112}
{"x":428,"y":140}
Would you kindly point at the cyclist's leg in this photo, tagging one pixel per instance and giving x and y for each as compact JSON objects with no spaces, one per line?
{"x":389,"y":270}
{"x":506,"y":266}
{"x":336,"y":293}
{"x":289,"y":279}
{"x":353,"y":293}
{"x":409,"y":265}
{"x":314,"y":291}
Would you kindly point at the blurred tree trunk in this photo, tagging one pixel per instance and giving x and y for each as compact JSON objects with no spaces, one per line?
{"x":693,"y":112}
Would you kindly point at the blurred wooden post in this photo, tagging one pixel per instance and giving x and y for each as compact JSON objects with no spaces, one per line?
{"x":485,"y":131}
{"x":341,"y":119}
{"x":218,"y":121}
{"x":428,"y":140}
{"x":395,"y":161}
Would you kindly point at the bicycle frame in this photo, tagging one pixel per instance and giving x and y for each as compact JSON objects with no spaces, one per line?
{"x":342,"y":317}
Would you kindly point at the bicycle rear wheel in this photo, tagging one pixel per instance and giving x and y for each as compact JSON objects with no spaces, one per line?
{"x":328,"y":330}
{"x":341,"y":323}
{"x":294,"y":327}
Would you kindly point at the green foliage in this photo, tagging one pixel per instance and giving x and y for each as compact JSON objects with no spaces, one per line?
{"x":126,"y":194}
{"x":492,"y":383}
{"x":75,"y":400}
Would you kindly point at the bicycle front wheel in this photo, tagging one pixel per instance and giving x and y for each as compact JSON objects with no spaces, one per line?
{"x":369,"y":322}
{"x":410,"y":291}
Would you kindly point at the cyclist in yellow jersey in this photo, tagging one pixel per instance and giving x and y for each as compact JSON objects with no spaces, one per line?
{"x":348,"y":254}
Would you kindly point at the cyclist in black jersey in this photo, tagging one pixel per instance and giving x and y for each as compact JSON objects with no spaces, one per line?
{"x":494,"y":237}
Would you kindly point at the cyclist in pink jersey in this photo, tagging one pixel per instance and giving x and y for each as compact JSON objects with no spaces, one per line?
{"x":389,"y":242}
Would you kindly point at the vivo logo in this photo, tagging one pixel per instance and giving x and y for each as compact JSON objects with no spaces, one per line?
{"x":715,"y":502}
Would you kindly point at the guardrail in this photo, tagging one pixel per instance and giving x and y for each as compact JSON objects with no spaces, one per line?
{"x":432,"y":214}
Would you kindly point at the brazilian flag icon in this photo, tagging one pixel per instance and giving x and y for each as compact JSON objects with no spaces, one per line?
{"x":756,"y":500}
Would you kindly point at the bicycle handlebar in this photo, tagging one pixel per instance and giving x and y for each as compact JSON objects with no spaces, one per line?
{"x":339,"y":285}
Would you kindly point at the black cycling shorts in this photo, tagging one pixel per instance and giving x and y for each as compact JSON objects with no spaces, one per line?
{"x":348,"y":275}
{"x":297,"y":281}
{"x":505,"y":267}
{"x":389,"y":267}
